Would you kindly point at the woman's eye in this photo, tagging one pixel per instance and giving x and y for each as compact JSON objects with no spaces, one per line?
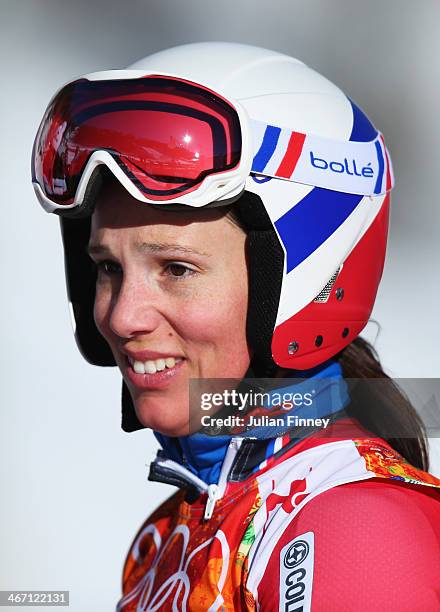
{"x":178,"y":270}
{"x":109,"y":268}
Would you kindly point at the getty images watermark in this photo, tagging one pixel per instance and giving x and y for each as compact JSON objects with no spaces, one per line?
{"x":278,"y":409}
{"x":229,"y":406}
{"x":298,"y":406}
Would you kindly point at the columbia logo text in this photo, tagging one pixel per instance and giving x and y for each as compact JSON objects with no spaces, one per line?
{"x":294,"y":595}
{"x":296,"y":574}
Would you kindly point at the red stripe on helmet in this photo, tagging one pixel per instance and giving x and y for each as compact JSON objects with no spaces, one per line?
{"x":291,"y":156}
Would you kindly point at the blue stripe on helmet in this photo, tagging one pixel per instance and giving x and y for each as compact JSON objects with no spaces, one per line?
{"x":363,"y":130}
{"x":378,"y":185}
{"x":307,"y":225}
{"x":265,"y":152}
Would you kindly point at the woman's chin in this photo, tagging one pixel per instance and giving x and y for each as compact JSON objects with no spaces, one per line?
{"x":170,"y":420}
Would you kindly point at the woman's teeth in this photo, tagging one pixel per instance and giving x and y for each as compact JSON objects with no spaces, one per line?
{"x":153,"y":366}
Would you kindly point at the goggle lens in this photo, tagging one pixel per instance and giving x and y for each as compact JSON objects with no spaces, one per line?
{"x":166,"y":134}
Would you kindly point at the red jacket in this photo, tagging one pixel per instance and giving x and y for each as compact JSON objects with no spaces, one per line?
{"x":337,"y":522}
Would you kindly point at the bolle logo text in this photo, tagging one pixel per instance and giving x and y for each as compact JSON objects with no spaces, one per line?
{"x":345,"y":167}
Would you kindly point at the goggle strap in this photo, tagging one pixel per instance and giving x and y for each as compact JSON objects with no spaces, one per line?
{"x":362,"y":168}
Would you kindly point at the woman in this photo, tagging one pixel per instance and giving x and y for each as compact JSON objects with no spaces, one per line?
{"x":224,"y":212}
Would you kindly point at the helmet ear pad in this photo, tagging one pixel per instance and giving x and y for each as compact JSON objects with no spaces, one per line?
{"x":80,"y":274}
{"x":265,"y":259}
{"x":81,"y":284}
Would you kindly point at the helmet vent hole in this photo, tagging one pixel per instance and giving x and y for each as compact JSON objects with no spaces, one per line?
{"x":345,"y":332}
{"x":324,"y":294}
{"x":319,"y":340}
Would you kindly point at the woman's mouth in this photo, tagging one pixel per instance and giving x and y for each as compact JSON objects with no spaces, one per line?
{"x":153,"y":372}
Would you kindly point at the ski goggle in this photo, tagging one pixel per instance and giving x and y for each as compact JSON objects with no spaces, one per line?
{"x":170,"y":140}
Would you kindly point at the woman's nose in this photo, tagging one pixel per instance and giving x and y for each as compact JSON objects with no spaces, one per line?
{"x":135,"y":309}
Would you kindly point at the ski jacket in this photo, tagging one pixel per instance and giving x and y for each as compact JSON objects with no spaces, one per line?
{"x":338,"y":521}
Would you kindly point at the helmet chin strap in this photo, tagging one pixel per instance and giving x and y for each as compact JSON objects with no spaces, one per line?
{"x":262,"y":367}
{"x":129,"y":422}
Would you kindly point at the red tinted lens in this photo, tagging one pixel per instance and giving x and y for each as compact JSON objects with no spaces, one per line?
{"x":166,"y":134}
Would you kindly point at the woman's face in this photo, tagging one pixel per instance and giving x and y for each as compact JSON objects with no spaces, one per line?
{"x":171,"y":299}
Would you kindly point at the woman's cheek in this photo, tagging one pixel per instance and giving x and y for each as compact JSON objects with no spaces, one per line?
{"x":205,"y":315}
{"x":101,"y":313}
{"x":215,"y":318}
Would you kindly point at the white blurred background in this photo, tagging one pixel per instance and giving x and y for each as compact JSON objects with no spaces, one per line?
{"x":74,"y":489}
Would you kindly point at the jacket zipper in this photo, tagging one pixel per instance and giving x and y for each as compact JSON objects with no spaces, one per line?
{"x":218,"y":490}
{"x":214,"y":491}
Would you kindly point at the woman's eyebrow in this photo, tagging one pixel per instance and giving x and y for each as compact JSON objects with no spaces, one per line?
{"x":168,"y":246}
{"x":155,"y":247}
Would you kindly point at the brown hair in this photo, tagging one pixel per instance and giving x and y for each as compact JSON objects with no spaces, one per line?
{"x":383,"y":407}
